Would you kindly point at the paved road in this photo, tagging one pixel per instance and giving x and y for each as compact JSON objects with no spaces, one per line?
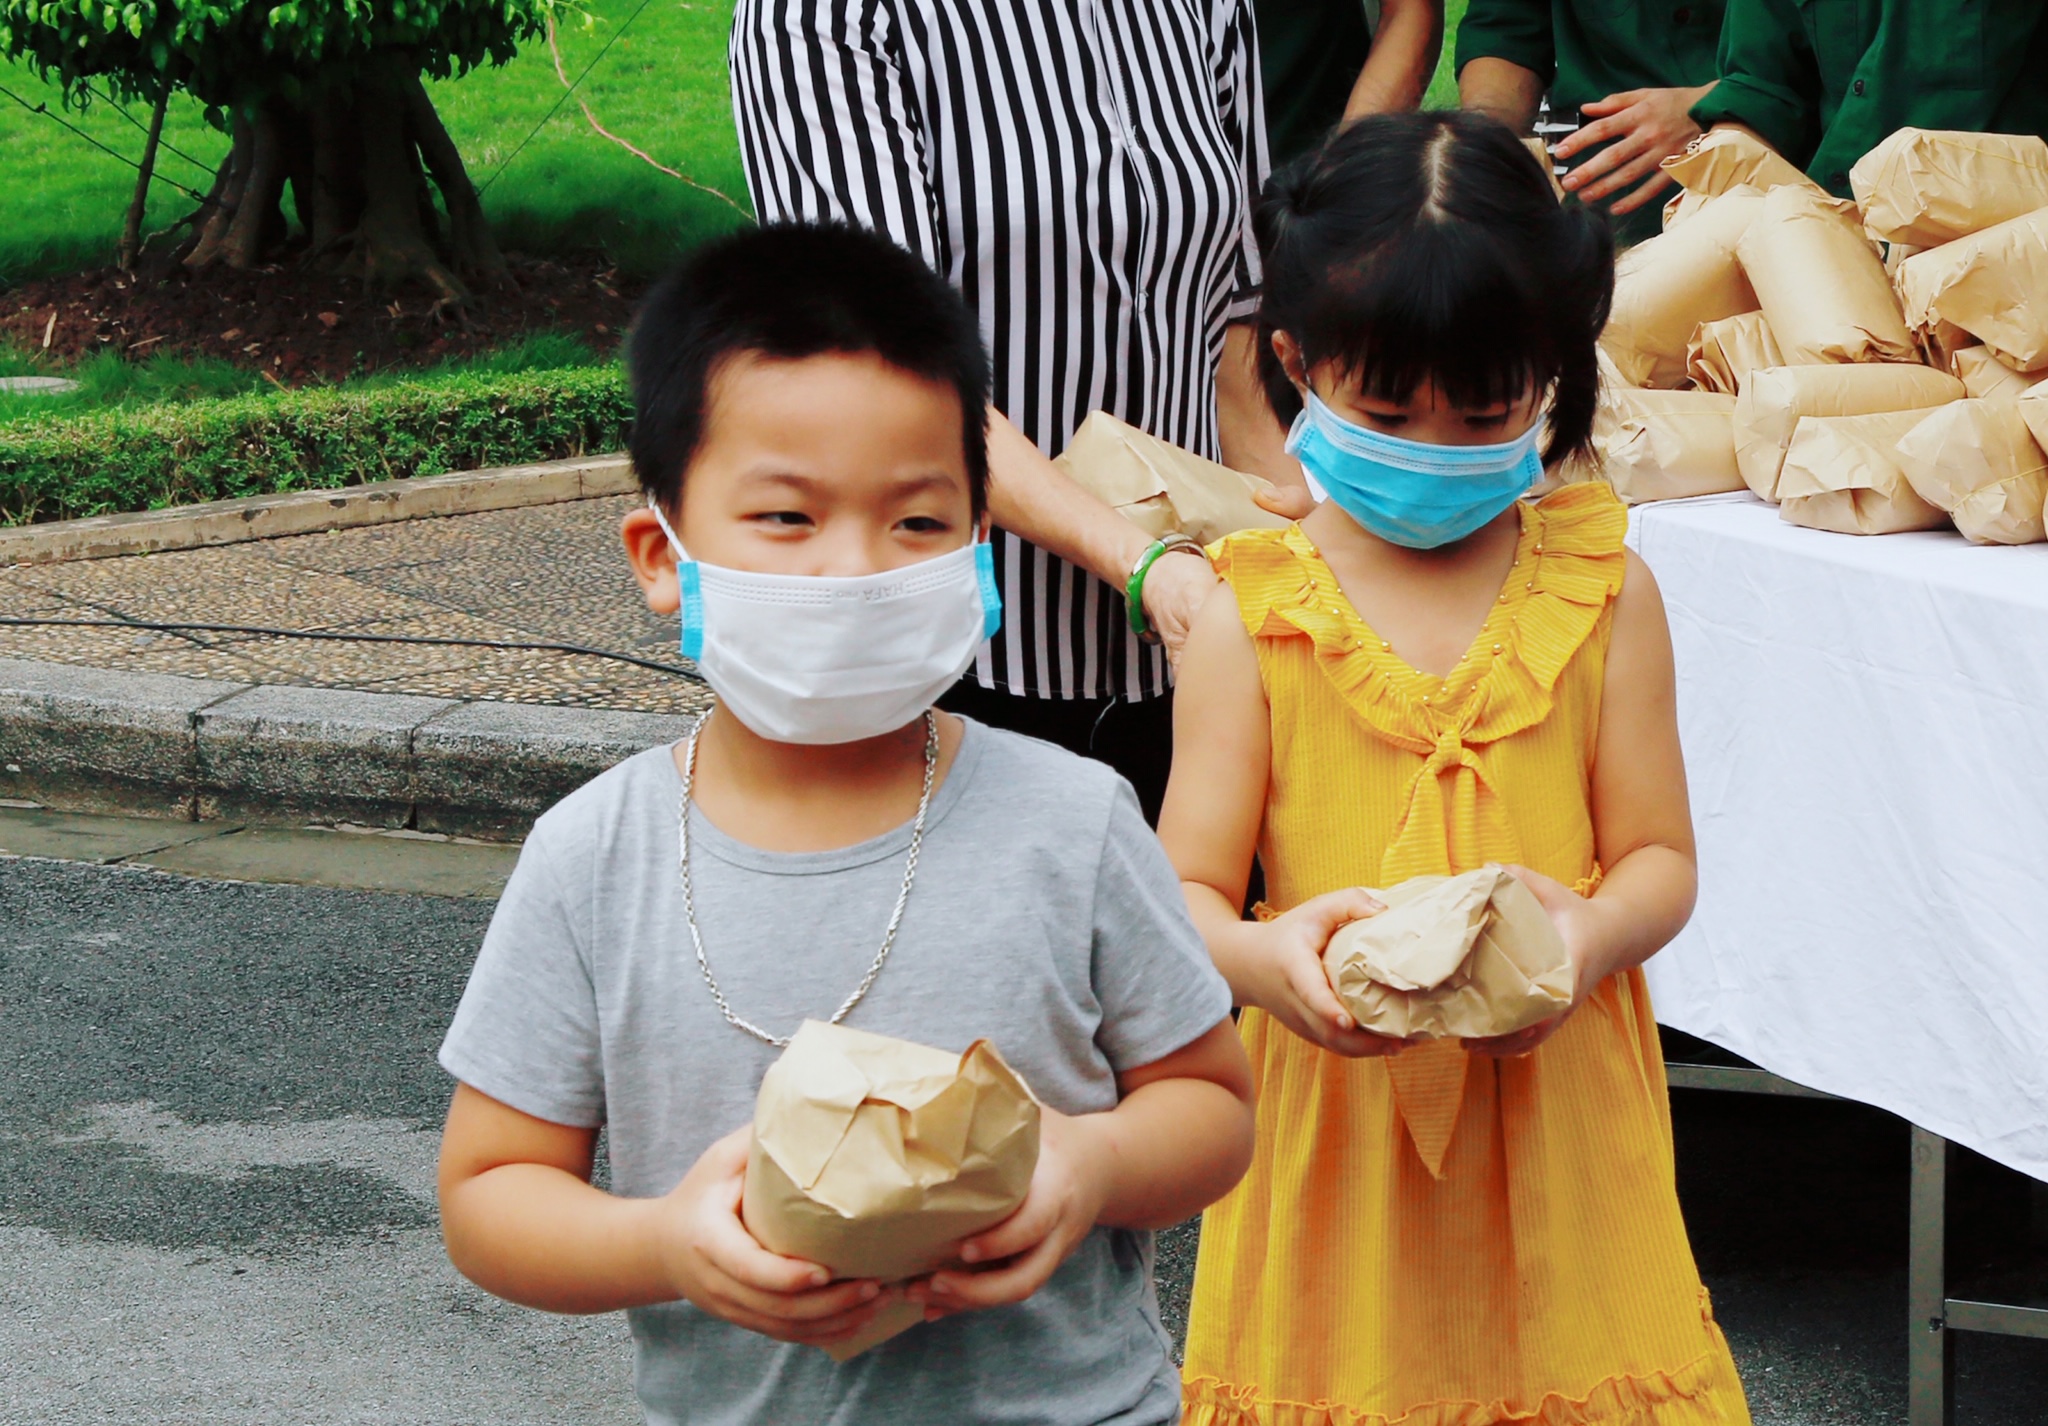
{"x":216,"y":1151}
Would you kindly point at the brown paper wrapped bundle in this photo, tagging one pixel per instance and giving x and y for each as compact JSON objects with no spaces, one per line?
{"x":1722,"y":353}
{"x":1682,"y":205}
{"x":1687,"y":448}
{"x":1159,"y":487}
{"x":1775,"y":397}
{"x":1984,"y":375}
{"x":1976,"y":460}
{"x":874,"y":1157}
{"x":1842,"y":473}
{"x":1993,"y":284}
{"x":1820,"y":282}
{"x":2034,"y":411}
{"x":1464,"y":957}
{"x":1721,"y":159}
{"x":1927,"y":187}
{"x":1665,"y":287}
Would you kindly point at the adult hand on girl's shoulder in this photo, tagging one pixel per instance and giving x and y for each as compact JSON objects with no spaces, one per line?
{"x":715,"y":1263}
{"x":1176,"y":588}
{"x":1016,"y":1257}
{"x":1292,"y":986}
{"x":1585,"y":942}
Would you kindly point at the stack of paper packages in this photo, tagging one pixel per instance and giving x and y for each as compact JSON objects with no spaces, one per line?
{"x":1869,"y":367}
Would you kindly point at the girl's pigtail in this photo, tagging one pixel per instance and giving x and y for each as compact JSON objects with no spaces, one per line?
{"x":1581,"y":287}
{"x":1275,"y":217}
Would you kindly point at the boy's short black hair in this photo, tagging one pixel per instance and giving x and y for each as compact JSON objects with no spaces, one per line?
{"x":1410,"y":247}
{"x":789,"y":291}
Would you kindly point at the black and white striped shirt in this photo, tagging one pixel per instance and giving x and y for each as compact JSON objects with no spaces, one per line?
{"x":1083,"y":171}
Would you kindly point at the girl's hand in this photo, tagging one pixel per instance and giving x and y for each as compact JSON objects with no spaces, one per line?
{"x":1290,"y":984}
{"x":714,"y":1261}
{"x":1578,"y":922}
{"x":1068,"y":1189}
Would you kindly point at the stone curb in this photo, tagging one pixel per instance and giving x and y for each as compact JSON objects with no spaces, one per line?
{"x":305,"y":512}
{"x":93,"y":740}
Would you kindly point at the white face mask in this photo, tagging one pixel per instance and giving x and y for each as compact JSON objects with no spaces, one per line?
{"x":824,"y":659}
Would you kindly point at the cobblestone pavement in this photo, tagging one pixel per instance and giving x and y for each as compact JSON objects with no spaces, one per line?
{"x":542,"y":574}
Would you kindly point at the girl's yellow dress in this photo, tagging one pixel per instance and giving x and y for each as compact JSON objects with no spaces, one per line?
{"x":1436,"y":1238}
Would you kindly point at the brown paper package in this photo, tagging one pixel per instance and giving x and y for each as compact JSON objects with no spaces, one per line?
{"x":1983,"y":374}
{"x":1976,"y":460}
{"x":1669,"y":449}
{"x":1820,"y":282}
{"x":1926,"y":187}
{"x":1159,"y":487}
{"x":2034,"y":411}
{"x":1993,"y":284}
{"x":1842,"y":473}
{"x":1684,"y":204}
{"x":1464,"y":957}
{"x":1665,"y":287}
{"x":1775,"y":397}
{"x":1721,"y":159}
{"x":875,"y":1156}
{"x":1722,"y":353}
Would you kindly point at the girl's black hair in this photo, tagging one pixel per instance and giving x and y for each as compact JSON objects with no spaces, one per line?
{"x":1411,"y":247}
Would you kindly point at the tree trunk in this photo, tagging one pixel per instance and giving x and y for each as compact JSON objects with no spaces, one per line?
{"x":391,"y":243}
{"x":474,"y":249}
{"x":357,"y":157}
{"x":131,"y":227}
{"x":337,"y":171}
{"x":234,"y":174}
{"x":258,"y":224}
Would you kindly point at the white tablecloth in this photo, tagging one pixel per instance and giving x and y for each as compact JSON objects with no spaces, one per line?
{"x":1866,"y":734}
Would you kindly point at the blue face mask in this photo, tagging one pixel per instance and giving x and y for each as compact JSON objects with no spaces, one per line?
{"x":1408,"y":492}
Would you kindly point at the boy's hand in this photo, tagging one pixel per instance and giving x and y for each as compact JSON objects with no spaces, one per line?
{"x":1067,"y":1192}
{"x":1292,"y":986}
{"x":1584,"y":938}
{"x":714,"y":1261}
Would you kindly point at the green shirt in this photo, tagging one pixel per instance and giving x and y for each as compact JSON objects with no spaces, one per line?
{"x":1825,"y":80}
{"x":1588,"y":49}
{"x":1310,"y":53}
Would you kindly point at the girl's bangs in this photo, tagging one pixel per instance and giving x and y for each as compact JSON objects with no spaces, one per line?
{"x":1443,"y":302}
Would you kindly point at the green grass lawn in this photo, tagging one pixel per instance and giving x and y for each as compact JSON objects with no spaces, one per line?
{"x":1443,"y":87}
{"x":661,"y":85}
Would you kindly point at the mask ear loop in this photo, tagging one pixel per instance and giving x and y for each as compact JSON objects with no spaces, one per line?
{"x":689,"y":589}
{"x":667,"y":529}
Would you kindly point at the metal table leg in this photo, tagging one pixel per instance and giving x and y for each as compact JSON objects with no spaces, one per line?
{"x":1930,"y":1347}
{"x":1933,"y":1317}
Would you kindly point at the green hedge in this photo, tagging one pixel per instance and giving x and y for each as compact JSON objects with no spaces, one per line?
{"x":177,"y":454}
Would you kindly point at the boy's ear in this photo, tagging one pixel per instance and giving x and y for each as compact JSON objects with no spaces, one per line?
{"x":653,"y":561}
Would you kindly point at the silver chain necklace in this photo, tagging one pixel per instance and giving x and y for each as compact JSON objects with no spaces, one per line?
{"x":924,"y":803}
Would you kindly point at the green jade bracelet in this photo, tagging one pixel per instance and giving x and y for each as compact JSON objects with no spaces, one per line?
{"x":1134,"y":587}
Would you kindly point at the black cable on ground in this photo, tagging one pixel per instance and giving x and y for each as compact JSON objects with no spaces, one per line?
{"x":159,"y":627}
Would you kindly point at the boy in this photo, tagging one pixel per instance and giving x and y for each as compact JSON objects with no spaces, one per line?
{"x":809,"y":426}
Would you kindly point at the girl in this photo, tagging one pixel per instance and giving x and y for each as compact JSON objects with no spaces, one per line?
{"x":1426,"y":674}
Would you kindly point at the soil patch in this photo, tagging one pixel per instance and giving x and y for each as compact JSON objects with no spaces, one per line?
{"x":303,"y":325}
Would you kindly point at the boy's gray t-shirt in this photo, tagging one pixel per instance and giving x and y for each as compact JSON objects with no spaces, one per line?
{"x":1045,"y":918}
